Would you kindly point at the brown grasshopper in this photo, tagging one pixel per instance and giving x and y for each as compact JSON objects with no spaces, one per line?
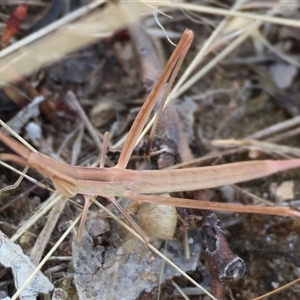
{"x":136,"y":185}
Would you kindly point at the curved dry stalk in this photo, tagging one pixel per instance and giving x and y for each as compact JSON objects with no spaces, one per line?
{"x":24,"y":175}
{"x":16,"y":184}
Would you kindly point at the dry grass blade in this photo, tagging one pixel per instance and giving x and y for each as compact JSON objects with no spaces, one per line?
{"x":225,"y":12}
{"x":286,"y":286}
{"x":44,"y":237}
{"x":98,"y":24}
{"x":55,"y":25}
{"x":258,"y":145}
{"x":89,"y":126}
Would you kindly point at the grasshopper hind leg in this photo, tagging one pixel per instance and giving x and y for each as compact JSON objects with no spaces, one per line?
{"x":138,"y":229}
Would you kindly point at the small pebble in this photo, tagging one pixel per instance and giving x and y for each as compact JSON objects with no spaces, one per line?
{"x":285,"y":191}
{"x":33,"y":131}
{"x":275,"y":285}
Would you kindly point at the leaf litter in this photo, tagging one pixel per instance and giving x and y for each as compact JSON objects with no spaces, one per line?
{"x":268,"y":245}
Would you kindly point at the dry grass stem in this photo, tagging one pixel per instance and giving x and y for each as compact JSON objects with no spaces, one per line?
{"x":48,"y":205}
{"x":85,"y":119}
{"x":286,"y":286}
{"x":264,"y":133}
{"x":53,"y":26}
{"x":265,"y":147}
{"x":232,"y":13}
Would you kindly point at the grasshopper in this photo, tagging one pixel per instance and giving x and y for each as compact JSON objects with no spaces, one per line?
{"x":118,"y":181}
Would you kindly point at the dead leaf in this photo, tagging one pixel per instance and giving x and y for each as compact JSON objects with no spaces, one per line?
{"x":12,"y":256}
{"x":107,"y":272}
{"x":283,"y":74}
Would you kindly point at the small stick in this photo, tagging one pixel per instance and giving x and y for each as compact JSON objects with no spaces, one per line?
{"x":285,"y":135}
{"x":266,"y":147}
{"x":104,"y":149}
{"x":17,"y":198}
{"x":85,"y":119}
{"x":275,"y":128}
{"x":44,"y":236}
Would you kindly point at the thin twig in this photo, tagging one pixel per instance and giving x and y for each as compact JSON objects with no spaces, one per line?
{"x":180,"y":291}
{"x":17,"y":198}
{"x":232,"y":13}
{"x":275,"y":128}
{"x":85,"y":119}
{"x":53,"y":200}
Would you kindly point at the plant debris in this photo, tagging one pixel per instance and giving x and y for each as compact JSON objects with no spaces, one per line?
{"x":239,"y":102}
{"x":12,"y":256}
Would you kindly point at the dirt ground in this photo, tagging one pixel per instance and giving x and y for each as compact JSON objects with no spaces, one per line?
{"x":254,"y":87}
